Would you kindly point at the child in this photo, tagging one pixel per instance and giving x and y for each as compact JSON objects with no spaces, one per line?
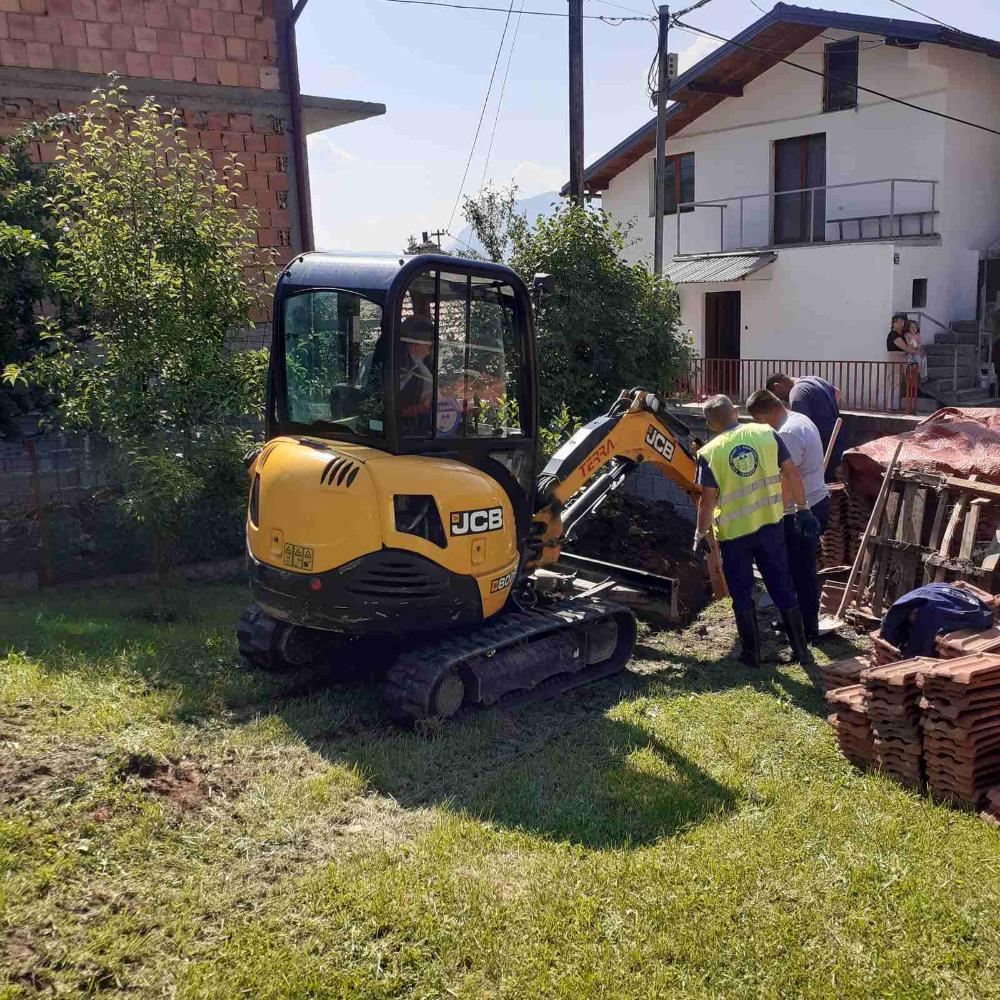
{"x":915,"y":353}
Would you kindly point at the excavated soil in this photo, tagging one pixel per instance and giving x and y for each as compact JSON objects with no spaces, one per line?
{"x":648,"y":535}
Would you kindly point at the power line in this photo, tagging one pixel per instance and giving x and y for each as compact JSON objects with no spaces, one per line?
{"x":618,"y":6}
{"x":913,"y":10}
{"x":613,"y":21}
{"x":482,"y":114}
{"x":503,"y":90}
{"x":458,"y":239}
{"x":849,"y":83}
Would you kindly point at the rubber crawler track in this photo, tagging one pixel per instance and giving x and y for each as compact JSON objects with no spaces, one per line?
{"x":408,"y":688}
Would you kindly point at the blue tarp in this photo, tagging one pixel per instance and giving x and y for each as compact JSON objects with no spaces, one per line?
{"x":918,"y":617}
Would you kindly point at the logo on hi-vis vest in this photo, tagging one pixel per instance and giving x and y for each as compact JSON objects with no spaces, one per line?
{"x":475,"y":522}
{"x":659,"y":442}
{"x":503,"y":582}
{"x":744,"y":460}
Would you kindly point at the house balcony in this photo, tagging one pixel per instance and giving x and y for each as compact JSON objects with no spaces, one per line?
{"x":865,"y":386}
{"x":892,"y":208}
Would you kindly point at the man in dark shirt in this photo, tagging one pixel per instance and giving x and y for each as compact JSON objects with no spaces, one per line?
{"x":816,"y":399}
{"x":743,"y":472}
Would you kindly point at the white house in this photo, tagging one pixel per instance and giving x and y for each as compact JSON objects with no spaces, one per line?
{"x":804,"y":208}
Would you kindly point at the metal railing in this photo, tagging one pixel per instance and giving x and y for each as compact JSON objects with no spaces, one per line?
{"x":869,"y":386}
{"x":869,"y":210}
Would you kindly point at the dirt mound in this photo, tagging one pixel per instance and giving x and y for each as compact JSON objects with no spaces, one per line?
{"x":649,"y":535}
{"x":183,"y":783}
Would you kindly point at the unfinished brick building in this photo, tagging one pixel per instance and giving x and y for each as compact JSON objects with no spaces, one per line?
{"x":229,"y":66}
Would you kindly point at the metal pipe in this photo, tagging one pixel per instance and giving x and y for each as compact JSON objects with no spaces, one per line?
{"x":892,"y":209}
{"x":576,"y":101}
{"x":662,"y":89}
{"x":290,"y":65}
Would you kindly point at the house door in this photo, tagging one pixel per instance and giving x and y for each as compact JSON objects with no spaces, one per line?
{"x":722,"y":343}
{"x":800,"y":163}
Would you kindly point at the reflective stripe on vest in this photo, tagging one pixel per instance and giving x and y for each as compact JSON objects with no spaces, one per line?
{"x":750,"y":488}
{"x":749,"y":508}
{"x":744,"y":462}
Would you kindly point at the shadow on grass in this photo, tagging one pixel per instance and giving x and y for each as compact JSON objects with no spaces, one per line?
{"x":565,"y":769}
{"x":571,"y":769}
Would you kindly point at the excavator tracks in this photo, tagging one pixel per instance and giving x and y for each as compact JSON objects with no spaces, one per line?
{"x":513,"y":659}
{"x":518,"y":657}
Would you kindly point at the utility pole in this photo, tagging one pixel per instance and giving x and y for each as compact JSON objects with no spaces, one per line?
{"x":576,"y":101}
{"x":437,"y":234}
{"x":662,"y":88}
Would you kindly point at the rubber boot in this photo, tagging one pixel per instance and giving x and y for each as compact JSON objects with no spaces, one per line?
{"x":746,"y":627}
{"x":796,"y":633}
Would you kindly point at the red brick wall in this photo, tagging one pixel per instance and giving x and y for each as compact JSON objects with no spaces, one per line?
{"x":227,"y":42}
{"x":258,"y":141}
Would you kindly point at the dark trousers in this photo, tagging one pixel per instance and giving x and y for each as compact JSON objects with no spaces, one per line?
{"x":766,"y":548}
{"x":802,"y":556}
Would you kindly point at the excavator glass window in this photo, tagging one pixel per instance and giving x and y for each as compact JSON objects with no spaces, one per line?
{"x":459,"y":362}
{"x":334,"y":359}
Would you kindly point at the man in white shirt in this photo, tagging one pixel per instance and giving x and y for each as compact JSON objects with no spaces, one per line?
{"x":801,"y":436}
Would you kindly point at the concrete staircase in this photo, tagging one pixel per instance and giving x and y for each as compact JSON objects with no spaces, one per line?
{"x":954,"y":381}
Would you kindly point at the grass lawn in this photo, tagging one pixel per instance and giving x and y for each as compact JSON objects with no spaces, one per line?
{"x":172,"y":826}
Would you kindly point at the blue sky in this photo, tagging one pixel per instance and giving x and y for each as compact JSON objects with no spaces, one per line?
{"x":377,"y":181}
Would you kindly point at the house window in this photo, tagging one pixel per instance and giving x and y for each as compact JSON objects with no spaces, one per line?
{"x":840,"y":85}
{"x":678,"y":182}
{"x":918,"y":300}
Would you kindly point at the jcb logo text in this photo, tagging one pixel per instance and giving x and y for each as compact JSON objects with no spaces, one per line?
{"x":475,"y":522}
{"x":659,"y":442}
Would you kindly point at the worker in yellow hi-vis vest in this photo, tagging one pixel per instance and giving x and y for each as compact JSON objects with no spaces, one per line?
{"x":743,"y":472}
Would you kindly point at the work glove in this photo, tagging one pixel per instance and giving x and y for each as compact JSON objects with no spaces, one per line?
{"x":701,"y":546}
{"x":806,"y":525}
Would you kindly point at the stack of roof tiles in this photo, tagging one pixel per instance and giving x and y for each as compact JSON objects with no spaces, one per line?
{"x":830,"y":597}
{"x":834,"y":543}
{"x":882,"y":652}
{"x":961,"y":726}
{"x":966,"y":641}
{"x":892,"y":699}
{"x":842,"y":673}
{"x":850,"y":723}
{"x":859,"y":510}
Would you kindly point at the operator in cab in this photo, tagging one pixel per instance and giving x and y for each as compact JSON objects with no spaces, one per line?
{"x":742,"y":472}
{"x":416,"y":380}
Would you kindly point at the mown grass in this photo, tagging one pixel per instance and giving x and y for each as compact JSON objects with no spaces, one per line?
{"x":171,"y":826}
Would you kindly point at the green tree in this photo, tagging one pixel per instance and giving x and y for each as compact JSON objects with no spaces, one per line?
{"x":608,"y":325}
{"x":28,"y":235}
{"x":152,"y":238}
{"x":495,"y":221}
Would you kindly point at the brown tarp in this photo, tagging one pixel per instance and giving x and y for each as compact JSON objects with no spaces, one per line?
{"x":952,"y":441}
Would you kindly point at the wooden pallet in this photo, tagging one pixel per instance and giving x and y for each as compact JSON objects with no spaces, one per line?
{"x":927,"y":534}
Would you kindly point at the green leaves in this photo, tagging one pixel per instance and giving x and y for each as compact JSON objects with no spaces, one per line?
{"x":151,"y":238}
{"x":609,"y":324}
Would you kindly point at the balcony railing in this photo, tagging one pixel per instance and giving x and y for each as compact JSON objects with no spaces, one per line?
{"x":889,"y":208}
{"x":869,"y":386}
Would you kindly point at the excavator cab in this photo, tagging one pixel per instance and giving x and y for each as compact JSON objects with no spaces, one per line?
{"x":429,"y":355}
{"x":396,"y":487}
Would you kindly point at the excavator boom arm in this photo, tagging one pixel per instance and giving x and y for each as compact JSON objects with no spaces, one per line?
{"x":637,"y":429}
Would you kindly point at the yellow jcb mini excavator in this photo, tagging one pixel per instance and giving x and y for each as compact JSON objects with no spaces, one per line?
{"x":395,"y":499}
